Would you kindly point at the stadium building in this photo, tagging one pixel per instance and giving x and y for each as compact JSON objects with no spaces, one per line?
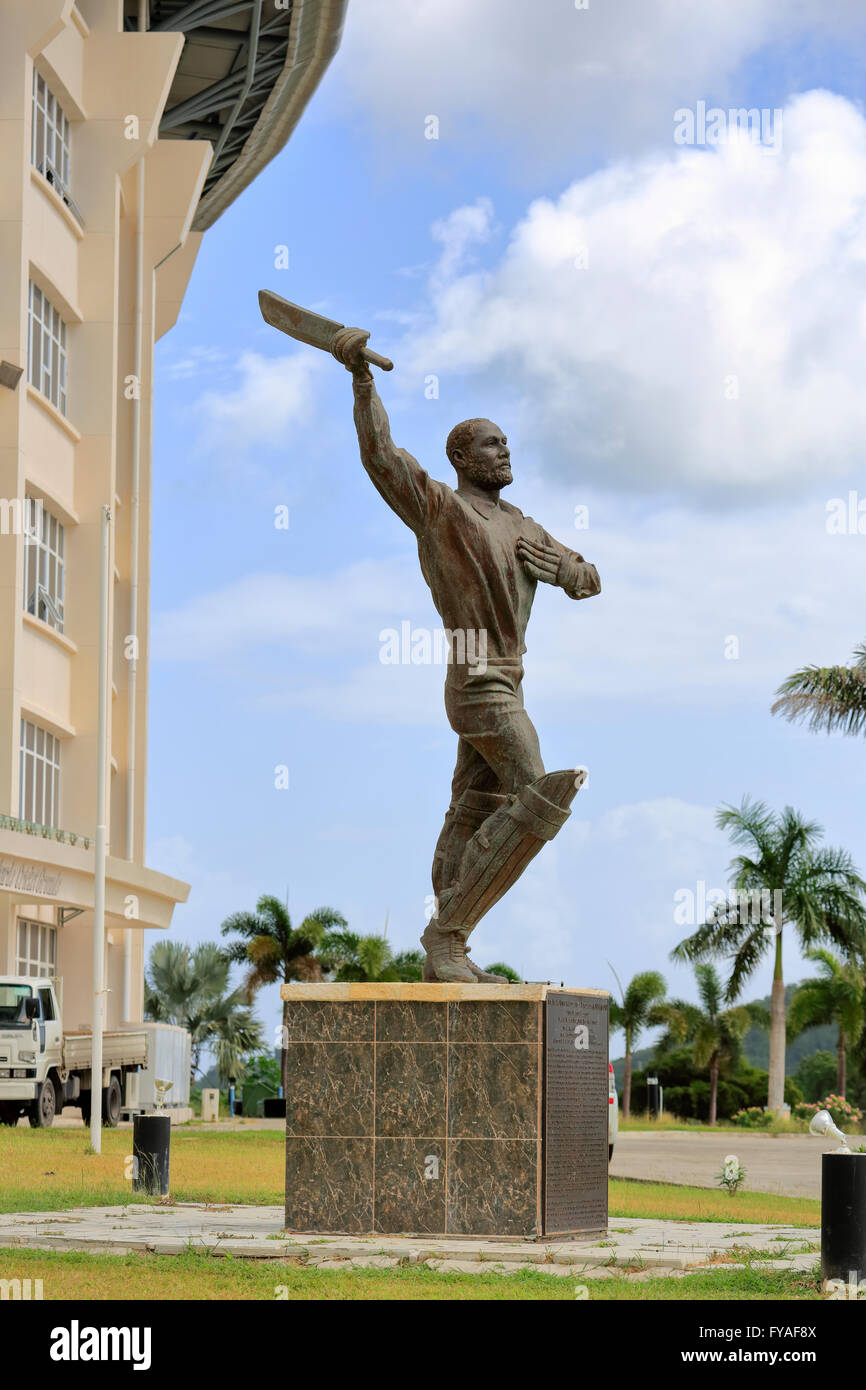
{"x":126,"y":129}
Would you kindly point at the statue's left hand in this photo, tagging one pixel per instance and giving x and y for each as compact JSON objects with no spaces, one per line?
{"x":541,"y":561}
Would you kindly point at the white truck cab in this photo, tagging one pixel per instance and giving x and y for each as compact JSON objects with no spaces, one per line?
{"x":42,"y":1069}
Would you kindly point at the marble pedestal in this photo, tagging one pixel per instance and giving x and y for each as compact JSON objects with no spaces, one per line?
{"x":446,"y":1109}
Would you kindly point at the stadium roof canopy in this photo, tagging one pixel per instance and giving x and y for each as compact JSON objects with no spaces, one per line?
{"x":247,"y":71}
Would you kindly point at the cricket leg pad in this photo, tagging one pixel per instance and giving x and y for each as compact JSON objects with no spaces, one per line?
{"x":462,"y":819}
{"x":505,"y":843}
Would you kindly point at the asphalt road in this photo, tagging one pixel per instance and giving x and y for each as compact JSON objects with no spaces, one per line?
{"x":787,"y":1163}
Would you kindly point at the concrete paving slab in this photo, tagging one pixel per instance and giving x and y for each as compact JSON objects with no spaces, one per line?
{"x":256,"y":1232}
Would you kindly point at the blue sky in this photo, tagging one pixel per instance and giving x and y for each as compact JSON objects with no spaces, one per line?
{"x":696,"y":384}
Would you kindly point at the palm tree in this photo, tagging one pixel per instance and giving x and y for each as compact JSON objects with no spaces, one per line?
{"x":276,"y":952}
{"x":816,"y":890}
{"x":716,"y":1034}
{"x":190,"y":988}
{"x":500,"y":968}
{"x":409,"y":966}
{"x":641,"y":1007}
{"x":351,"y":957}
{"x":837,"y":995}
{"x":827,"y":697}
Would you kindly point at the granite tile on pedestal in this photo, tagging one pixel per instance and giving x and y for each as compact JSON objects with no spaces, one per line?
{"x":328,"y":1020}
{"x":446,"y":1109}
{"x":410,"y":1089}
{"x":493,"y":1090}
{"x":493,"y":1187}
{"x":329,"y":1185}
{"x":410,"y":1020}
{"x":410,"y":1186}
{"x":506,"y":1021}
{"x":330,"y":1089}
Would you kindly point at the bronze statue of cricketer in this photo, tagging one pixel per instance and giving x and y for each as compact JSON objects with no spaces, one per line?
{"x":482,"y":559}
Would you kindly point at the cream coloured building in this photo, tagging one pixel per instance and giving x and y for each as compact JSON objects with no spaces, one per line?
{"x":126,"y":128}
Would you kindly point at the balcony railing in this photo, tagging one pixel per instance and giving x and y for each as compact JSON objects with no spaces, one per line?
{"x":45,"y":832}
{"x":51,"y":176}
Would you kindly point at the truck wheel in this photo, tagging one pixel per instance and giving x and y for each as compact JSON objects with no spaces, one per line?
{"x":9,"y":1114}
{"x":111,"y":1100}
{"x":44,"y":1107}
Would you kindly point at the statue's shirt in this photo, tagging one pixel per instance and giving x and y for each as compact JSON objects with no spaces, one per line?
{"x":468,"y":553}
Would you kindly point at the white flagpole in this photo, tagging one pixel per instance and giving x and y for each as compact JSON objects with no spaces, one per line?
{"x":100,"y":847}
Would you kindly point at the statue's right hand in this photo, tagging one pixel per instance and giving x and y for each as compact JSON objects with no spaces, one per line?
{"x":348,"y":347}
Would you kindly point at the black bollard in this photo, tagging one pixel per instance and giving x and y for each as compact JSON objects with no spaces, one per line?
{"x":151,"y":1139}
{"x":843,"y":1217}
{"x":652,"y":1097}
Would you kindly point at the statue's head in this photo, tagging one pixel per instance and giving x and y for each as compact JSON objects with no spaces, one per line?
{"x":478,"y":451}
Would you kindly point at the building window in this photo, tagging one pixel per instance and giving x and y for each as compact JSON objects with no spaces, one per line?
{"x":44,"y":575}
{"x":39,"y":776}
{"x":37,"y":948}
{"x":46,"y":348}
{"x":49,"y":139}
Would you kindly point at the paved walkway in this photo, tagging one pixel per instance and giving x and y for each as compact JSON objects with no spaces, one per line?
{"x":635,"y":1246}
{"x":789,"y":1164}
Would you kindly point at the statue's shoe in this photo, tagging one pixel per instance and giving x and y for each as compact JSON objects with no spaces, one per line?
{"x":446,"y":956}
{"x":482,"y":977}
{"x":479,"y":976}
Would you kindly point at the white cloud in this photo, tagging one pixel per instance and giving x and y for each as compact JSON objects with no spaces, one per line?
{"x":551,"y":80}
{"x":605,"y":893}
{"x":631,"y":861}
{"x":676,"y":587}
{"x":609,"y":892}
{"x":668,"y":826}
{"x":465,"y":227}
{"x":271,"y":394}
{"x":212,"y":888}
{"x":715,"y":343}
{"x":195,"y":361}
{"x":331,"y":615}
{"x":215,"y":892}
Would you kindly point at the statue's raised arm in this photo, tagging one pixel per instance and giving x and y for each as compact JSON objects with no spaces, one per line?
{"x":399,"y":477}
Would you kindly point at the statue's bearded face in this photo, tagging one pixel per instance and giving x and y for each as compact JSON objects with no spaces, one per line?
{"x":486,"y":461}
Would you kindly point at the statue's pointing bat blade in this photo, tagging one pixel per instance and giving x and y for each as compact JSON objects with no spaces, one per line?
{"x":308,"y":327}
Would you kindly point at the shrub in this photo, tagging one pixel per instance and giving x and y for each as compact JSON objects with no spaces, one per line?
{"x":793,"y":1094}
{"x":816,"y":1074}
{"x":687,"y":1093}
{"x":677,"y":1101}
{"x":841,"y":1111}
{"x":753,"y":1117}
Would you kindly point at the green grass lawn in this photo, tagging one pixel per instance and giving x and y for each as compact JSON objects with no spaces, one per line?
{"x":44,"y":1170}
{"x":669,"y":1124}
{"x":52,"y":1170}
{"x":670,"y":1201}
{"x":672,"y":1124}
{"x":71,"y":1276}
